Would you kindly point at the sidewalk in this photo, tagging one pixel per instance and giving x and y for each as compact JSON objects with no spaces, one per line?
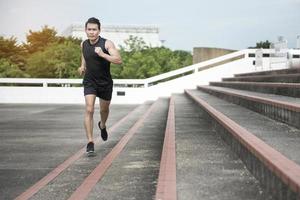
{"x":34,"y":139}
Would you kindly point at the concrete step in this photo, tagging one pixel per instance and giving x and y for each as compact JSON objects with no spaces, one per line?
{"x":134,"y":173}
{"x":35,"y":139}
{"x":206,"y":166}
{"x":64,"y":185}
{"x":271,"y":72}
{"x":285,"y":89}
{"x":281,"y":78}
{"x":280,"y":108}
{"x":269,"y":149}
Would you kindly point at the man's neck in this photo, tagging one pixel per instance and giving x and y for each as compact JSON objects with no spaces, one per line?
{"x":94,"y":41}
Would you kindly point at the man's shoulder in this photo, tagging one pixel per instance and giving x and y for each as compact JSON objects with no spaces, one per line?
{"x":108,"y":43}
{"x":83,"y":42}
{"x":106,"y":40}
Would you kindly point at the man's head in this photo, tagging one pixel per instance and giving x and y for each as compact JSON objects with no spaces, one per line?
{"x":92,"y":28}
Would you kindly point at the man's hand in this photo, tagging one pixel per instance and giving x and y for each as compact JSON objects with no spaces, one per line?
{"x":99,"y":51}
{"x":81,"y":70}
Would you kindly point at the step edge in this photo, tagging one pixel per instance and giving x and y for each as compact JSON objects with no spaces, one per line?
{"x":287,"y":170}
{"x":281,"y":104}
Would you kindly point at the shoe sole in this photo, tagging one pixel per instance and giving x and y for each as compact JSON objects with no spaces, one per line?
{"x":100,"y":131}
{"x":90,"y":153}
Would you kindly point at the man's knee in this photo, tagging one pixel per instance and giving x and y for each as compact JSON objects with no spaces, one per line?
{"x":89,"y":110}
{"x":104,"y":110}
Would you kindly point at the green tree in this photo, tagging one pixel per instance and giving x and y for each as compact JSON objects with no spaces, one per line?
{"x":71,"y":39}
{"x":56,"y":61}
{"x":39,"y":40}
{"x":52,"y":56}
{"x":141,"y":61}
{"x":134,"y":43}
{"x":10,"y":70}
{"x":185,"y":58}
{"x":11,"y":51}
{"x":262,"y":44}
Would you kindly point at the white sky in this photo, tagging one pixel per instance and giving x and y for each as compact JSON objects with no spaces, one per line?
{"x":234,"y":24}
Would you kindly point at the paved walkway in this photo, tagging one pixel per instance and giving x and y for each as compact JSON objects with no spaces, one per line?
{"x":34,"y":139}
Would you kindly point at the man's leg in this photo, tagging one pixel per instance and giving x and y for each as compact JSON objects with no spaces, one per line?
{"x":88,"y":118}
{"x":104,"y":112}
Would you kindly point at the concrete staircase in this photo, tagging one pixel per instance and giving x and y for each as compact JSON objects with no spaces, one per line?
{"x":229,"y":140}
{"x":261,"y":127}
{"x":284,"y":82}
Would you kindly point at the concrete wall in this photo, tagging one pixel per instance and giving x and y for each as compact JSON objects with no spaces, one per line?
{"x":201,"y":54}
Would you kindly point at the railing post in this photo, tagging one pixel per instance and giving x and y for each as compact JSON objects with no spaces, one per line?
{"x":246,"y":54}
{"x":146,"y":84}
{"x":195,"y":70}
{"x":45,"y":84}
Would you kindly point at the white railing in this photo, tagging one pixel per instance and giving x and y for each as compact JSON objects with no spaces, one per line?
{"x":63,"y":82}
{"x":148,"y":82}
{"x":27,"y":90}
{"x":196,"y":67}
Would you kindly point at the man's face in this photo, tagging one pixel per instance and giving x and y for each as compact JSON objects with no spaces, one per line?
{"x":92,"y":31}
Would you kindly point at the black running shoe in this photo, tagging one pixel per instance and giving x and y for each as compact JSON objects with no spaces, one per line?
{"x":90,"y":149}
{"x":103,"y":132}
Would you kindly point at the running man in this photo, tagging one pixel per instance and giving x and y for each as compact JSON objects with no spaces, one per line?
{"x":97,"y":54}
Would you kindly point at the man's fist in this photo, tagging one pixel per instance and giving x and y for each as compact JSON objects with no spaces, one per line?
{"x":99,"y":51}
{"x":81,"y":70}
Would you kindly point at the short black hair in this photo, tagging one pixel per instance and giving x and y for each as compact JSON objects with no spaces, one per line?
{"x":93,"y":20}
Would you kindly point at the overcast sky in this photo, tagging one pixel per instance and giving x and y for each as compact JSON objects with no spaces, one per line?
{"x":233,"y":24}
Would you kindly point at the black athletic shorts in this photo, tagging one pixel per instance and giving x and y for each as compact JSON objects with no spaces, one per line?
{"x":102,"y":94}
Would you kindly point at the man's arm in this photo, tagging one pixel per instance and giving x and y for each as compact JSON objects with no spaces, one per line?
{"x":113,"y":56}
{"x":82,"y":68}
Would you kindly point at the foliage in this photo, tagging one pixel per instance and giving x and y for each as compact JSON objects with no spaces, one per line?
{"x":47,"y":55}
{"x":56,"y":61}
{"x":141,"y":61}
{"x":12,"y":52}
{"x":262,"y":44}
{"x":39,"y":40}
{"x":10,"y":70}
{"x":134,"y":43}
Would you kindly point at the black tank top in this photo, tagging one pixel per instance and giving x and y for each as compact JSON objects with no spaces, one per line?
{"x":97,"y":72}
